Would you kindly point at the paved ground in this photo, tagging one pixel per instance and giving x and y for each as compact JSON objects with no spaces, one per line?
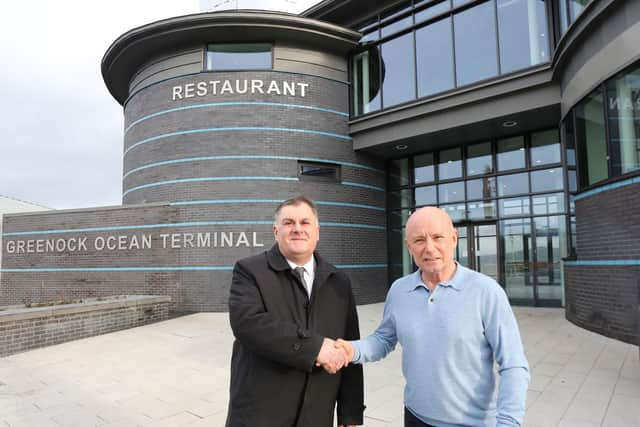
{"x":175,"y":373}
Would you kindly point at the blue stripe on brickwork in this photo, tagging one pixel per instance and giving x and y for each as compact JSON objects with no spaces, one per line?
{"x":232,"y":104}
{"x":237,"y":129}
{"x":211,"y":178}
{"x":232,"y":201}
{"x":240,"y":157}
{"x":356,"y":184}
{"x":608,"y":187}
{"x":597,"y":262}
{"x":178,"y":224}
{"x":160,"y":268}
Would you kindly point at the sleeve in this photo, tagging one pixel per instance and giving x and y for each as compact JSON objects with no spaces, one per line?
{"x":382,"y":342}
{"x":264,"y":333}
{"x":351,"y":393}
{"x":501,"y":330}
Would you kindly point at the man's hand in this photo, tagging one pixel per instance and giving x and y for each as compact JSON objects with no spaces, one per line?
{"x":348,"y":349}
{"x":331,"y":357}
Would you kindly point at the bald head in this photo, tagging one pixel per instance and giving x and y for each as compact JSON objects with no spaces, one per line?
{"x":431,"y":240}
{"x":429,"y":215}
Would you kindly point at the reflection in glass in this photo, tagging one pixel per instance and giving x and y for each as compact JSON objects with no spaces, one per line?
{"x":550,"y":248}
{"x":398,"y":219}
{"x":481,"y":210}
{"x":573,"y":180}
{"x":424,"y":169}
{"x":548,"y":204}
{"x":479,"y":160}
{"x":398,"y":173}
{"x":516,"y":255}
{"x":576,"y":7}
{"x":545,"y":147}
{"x":590,"y":134}
{"x":399,"y":199}
{"x":366,"y":81}
{"x":483,"y":188}
{"x":517,"y":206}
{"x":400,"y":262}
{"x":547,"y":180}
{"x":399,"y":77}
{"x":450,"y":165}
{"x":426,"y":196}
{"x":462,"y":250}
{"x":511,"y":153}
{"x":475,"y":44}
{"x":623,"y":113}
{"x":452,"y":192}
{"x":485,"y":250}
{"x":517,"y":183}
{"x":396,"y":26}
{"x":522,"y":26}
{"x":431,"y":11}
{"x":239,"y":56}
{"x":434,"y":55}
{"x":570,"y":141}
{"x":457,"y":212}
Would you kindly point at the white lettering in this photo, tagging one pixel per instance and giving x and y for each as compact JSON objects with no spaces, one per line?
{"x":303,"y":87}
{"x":189,"y":89}
{"x":177,"y":92}
{"x":242,"y":240}
{"x":255,"y":241}
{"x":226,"y":87}
{"x":98,"y":243}
{"x":202,"y":89}
{"x":204,"y":240}
{"x":11,"y":246}
{"x":244,"y":89}
{"x":256,"y":86}
{"x":273,"y":88}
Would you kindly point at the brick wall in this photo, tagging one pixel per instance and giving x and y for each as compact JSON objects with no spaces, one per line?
{"x":28,"y":328}
{"x":602,"y":293}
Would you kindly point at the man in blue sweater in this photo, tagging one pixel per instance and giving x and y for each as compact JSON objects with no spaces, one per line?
{"x":453,"y":323}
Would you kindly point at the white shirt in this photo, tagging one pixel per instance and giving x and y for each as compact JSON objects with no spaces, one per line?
{"x":309,"y":272}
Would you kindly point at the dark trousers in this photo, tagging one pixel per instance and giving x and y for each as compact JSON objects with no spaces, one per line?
{"x":410,"y":420}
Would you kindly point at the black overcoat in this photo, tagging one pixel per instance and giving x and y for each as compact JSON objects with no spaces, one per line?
{"x":278,"y":334}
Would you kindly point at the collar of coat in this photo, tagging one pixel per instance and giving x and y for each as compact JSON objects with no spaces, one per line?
{"x":278,"y":262}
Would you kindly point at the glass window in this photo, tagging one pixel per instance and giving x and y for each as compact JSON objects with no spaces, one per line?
{"x":517,"y":206}
{"x":434,"y":54}
{"x":548,"y":204}
{"x":432,"y":11}
{"x":452,"y":192}
{"x":366,"y":81}
{"x":551,"y":246}
{"x":576,"y":7}
{"x":369,"y":37}
{"x":517,"y":256}
{"x":426,"y":196}
{"x":396,"y":26}
{"x":573,"y":180}
{"x":570,"y":141}
{"x":547,"y":180}
{"x":457,"y":212}
{"x":481,"y":210}
{"x":319,"y":172}
{"x":623,"y":114}
{"x":399,"y":199}
{"x":590,"y":134}
{"x":484,"y":188}
{"x":457,"y":3}
{"x":522,"y":26}
{"x":450,"y":165}
{"x":424,"y":169}
{"x":239,"y":56}
{"x":545,"y":147}
{"x":511,"y":153}
{"x":479,"y":160}
{"x":398,"y":173}
{"x":517,"y":183}
{"x":399,"y":75}
{"x":475,"y":44}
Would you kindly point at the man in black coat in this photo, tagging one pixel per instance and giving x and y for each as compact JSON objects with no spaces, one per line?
{"x":286,"y":307}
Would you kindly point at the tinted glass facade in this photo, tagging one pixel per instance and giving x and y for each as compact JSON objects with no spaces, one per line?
{"x":420,"y":48}
{"x":605,"y":126}
{"x":509,"y":201}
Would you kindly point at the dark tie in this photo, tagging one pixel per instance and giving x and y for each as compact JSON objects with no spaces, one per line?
{"x":300,"y":272}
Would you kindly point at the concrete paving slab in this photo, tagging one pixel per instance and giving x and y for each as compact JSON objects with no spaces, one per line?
{"x":176,"y":373}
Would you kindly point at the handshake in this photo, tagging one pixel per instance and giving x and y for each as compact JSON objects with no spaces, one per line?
{"x":334,"y":355}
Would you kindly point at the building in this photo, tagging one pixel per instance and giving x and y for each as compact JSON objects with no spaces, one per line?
{"x":519,"y":117}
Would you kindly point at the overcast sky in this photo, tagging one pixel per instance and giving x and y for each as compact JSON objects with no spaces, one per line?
{"x":60,"y":129}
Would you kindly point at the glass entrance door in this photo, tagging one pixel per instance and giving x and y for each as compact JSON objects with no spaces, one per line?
{"x":478,"y":248}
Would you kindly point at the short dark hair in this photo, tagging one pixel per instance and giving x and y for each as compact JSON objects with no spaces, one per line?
{"x":295,"y":201}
